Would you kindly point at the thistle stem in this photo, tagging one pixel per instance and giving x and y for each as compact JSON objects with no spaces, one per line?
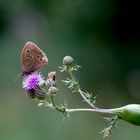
{"x":71,"y":74}
{"x":58,"y":108}
{"x":97,"y":110}
{"x":79,"y":90}
{"x":85,"y":99}
{"x":52,"y":100}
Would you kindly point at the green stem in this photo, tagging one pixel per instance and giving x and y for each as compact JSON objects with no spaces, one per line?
{"x":55,"y":106}
{"x":85,"y":99}
{"x":53,"y":103}
{"x":52,"y":100}
{"x":71,"y":74}
{"x":97,"y":110}
{"x":79,"y":90}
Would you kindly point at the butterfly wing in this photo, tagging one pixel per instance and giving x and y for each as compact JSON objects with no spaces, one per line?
{"x":33,"y":58}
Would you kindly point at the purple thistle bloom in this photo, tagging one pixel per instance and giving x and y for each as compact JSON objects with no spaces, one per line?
{"x":32,"y":81}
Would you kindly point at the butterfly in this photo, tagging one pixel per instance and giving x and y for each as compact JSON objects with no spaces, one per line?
{"x":32,"y":58}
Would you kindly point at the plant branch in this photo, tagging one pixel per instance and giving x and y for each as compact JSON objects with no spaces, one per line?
{"x":85,"y":99}
{"x":97,"y":110}
{"x":78,"y":89}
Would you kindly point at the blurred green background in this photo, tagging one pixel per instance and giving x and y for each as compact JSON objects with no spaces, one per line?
{"x":102,"y":36}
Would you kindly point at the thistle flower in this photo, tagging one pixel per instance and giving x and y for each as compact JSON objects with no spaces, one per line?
{"x":32,"y":82}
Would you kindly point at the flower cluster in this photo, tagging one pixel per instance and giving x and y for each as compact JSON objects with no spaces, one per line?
{"x":36,"y":86}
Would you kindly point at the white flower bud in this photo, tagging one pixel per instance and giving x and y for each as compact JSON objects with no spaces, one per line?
{"x":67,"y":60}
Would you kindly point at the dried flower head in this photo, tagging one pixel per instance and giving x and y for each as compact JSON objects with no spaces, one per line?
{"x":52,"y":75}
{"x":51,"y":81}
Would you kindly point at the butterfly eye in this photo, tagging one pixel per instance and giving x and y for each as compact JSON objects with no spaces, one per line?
{"x":27,"y":51}
{"x":40,"y":59}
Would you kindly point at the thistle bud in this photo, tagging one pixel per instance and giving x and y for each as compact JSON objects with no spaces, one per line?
{"x":67,"y":60}
{"x":129,"y":113}
{"x":52,"y":90}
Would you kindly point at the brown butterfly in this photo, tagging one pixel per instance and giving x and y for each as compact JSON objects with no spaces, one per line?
{"x":33,"y":58}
